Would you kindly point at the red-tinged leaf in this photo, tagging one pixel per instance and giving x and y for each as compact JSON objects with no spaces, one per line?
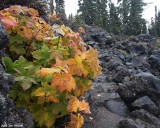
{"x":8,"y":22}
{"x":76,"y":66}
{"x":63,"y":81}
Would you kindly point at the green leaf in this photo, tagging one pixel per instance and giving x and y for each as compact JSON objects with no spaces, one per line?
{"x":16,"y":39}
{"x":43,"y":53}
{"x":13,"y":93}
{"x":20,"y":78}
{"x":8,"y":63}
{"x":18,"y":49}
{"x":26,"y":84}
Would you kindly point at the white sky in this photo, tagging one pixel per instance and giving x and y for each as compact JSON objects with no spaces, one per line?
{"x":72,"y":6}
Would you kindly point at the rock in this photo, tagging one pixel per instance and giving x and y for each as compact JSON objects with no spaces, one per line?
{"x":154,"y":60}
{"x":121,"y":73}
{"x":8,"y":112}
{"x":117,"y":106}
{"x":132,"y":90}
{"x":152,"y":80}
{"x":146,"y":38}
{"x":113,"y":63}
{"x":137,"y":62}
{"x":4,"y":38}
{"x":145,"y":103}
{"x":137,"y":48}
{"x":106,"y":119}
{"x":146,"y":116}
{"x":128,"y":123}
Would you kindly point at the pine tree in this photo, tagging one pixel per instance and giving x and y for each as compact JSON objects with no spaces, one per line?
{"x":87,"y":10}
{"x":158,"y":24}
{"x":114,"y":19}
{"x":124,"y":10}
{"x":135,"y":18}
{"x":94,"y":12}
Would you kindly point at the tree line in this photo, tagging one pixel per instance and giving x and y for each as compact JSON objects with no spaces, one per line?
{"x":122,"y":18}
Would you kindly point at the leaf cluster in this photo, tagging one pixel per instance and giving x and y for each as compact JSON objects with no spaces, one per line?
{"x":51,"y":65}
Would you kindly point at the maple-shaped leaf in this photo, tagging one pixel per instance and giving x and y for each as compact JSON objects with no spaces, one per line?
{"x":63,"y":81}
{"x":8,"y":22}
{"x":91,"y":56}
{"x":73,"y":105}
{"x":39,"y":92}
{"x":83,"y":84}
{"x":48,"y":71}
{"x":83,"y":106}
{"x":53,"y":99}
{"x":76,"y":66}
{"x":76,"y":121}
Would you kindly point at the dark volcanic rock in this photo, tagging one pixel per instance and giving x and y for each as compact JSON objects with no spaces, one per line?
{"x":137,"y":48}
{"x":145,"y":103}
{"x":146,"y":116}
{"x":152,"y":80}
{"x":154,"y":60}
{"x":4,"y":38}
{"x":128,"y":123}
{"x":106,"y":119}
{"x":117,"y":106}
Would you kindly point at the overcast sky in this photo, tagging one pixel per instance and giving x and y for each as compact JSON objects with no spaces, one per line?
{"x":72,"y":6}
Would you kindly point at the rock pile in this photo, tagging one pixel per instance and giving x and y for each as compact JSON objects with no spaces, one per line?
{"x":127,"y":93}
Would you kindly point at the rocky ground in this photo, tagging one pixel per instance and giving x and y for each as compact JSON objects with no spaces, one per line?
{"x":127,"y":93}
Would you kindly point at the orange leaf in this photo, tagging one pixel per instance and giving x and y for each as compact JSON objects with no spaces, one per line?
{"x":73,"y":105}
{"x":33,"y":12}
{"x":76,"y":66}
{"x":48,"y":71}
{"x":8,"y":22}
{"x":83,"y":106}
{"x":63,"y":82}
{"x":76,"y":121}
{"x":53,"y":99}
{"x":91,"y":56}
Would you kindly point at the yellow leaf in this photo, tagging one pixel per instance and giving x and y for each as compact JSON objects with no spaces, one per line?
{"x":73,"y":105}
{"x":48,"y":71}
{"x":39,"y":92}
{"x":76,"y":121}
{"x":53,"y":99}
{"x":83,"y":106}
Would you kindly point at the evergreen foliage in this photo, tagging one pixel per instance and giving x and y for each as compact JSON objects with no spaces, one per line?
{"x":154,"y":28}
{"x":125,"y":18}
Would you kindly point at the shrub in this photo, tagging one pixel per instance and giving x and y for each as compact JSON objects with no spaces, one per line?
{"x":51,"y":65}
